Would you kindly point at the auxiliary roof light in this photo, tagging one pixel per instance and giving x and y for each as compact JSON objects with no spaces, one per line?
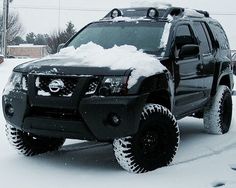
{"x":152,"y":13}
{"x":116,"y":13}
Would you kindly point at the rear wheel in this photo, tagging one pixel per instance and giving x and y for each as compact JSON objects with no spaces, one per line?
{"x":29,"y":145}
{"x":218,"y":114}
{"x":154,"y":145}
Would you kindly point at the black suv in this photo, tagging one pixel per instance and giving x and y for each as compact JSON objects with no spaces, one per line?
{"x":49,"y":100}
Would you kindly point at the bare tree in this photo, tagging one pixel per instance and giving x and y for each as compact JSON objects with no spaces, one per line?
{"x":15,"y":28}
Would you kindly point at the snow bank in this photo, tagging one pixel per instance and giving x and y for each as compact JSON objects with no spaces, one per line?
{"x":116,"y":58}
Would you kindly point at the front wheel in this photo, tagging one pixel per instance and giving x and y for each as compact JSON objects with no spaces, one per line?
{"x":154,"y":145}
{"x":29,"y":145}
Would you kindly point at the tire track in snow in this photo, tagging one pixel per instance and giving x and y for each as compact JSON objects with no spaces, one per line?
{"x":91,"y":145}
{"x":212,"y":153}
{"x":82,"y":146}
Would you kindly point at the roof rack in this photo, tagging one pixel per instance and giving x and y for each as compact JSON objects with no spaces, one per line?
{"x":159,"y":13}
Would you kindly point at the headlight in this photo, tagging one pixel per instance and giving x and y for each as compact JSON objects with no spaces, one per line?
{"x":113,"y":86}
{"x":14,"y":82}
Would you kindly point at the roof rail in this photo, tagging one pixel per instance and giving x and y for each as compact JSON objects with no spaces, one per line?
{"x":159,"y":13}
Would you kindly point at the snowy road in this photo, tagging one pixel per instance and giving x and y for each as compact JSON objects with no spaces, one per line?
{"x":202,"y":161}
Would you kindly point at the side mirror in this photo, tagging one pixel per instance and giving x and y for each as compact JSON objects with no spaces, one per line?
{"x":188,"y":50}
{"x":60,"y":46}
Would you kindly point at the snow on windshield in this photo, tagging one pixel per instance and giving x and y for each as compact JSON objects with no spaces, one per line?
{"x":116,"y":58}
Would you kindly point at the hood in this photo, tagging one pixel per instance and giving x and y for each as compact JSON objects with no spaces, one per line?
{"x":92,"y":59}
{"x":67,"y":66}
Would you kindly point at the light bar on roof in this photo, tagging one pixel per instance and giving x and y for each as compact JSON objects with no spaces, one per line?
{"x":116,"y":13}
{"x":152,"y":13}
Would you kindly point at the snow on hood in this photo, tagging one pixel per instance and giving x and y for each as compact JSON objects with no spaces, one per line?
{"x":116,"y":58}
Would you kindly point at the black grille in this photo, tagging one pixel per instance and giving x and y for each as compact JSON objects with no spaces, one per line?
{"x":42,"y":85}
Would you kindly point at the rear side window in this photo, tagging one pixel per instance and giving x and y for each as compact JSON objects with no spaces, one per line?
{"x":202,"y":37}
{"x":220,"y":35}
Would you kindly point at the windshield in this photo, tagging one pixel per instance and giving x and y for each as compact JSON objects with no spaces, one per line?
{"x":143,"y":35}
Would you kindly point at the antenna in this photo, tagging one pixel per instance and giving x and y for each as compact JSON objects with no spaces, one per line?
{"x":59,"y":15}
{"x":5,"y":26}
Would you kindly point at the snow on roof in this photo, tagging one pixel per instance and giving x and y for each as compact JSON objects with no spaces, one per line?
{"x":26,"y":46}
{"x":121,"y":18}
{"x":192,"y":13}
{"x":128,"y":19}
{"x":116,"y":58}
{"x":150,"y":3}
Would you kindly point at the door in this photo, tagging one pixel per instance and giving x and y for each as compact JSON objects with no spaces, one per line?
{"x":206,"y":51}
{"x":189,"y":90}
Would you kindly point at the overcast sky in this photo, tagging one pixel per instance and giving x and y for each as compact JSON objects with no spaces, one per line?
{"x":43,"y":16}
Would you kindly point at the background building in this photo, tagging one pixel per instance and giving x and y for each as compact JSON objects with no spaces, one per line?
{"x":27,"y":51}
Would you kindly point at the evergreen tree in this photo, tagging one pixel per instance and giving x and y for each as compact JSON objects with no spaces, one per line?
{"x":57,"y":38}
{"x":18,"y":40}
{"x":30,"y":38}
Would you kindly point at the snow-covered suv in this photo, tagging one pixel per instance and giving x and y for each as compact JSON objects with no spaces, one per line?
{"x":125,"y":79}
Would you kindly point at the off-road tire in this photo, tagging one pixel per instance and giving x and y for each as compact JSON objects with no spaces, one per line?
{"x":154,"y":145}
{"x":218,"y":113}
{"x":30,"y":145}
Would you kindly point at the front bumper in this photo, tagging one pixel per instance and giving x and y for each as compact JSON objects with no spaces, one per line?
{"x":91,"y":122}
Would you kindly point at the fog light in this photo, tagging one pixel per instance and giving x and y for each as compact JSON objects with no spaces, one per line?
{"x":105,"y":91}
{"x":9,"y":110}
{"x":114,"y":120}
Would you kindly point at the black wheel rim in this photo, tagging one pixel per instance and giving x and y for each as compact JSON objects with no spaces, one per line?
{"x":153,"y":143}
{"x":154,"y":146}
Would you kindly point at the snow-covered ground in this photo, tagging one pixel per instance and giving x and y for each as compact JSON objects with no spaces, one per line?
{"x":203,"y":160}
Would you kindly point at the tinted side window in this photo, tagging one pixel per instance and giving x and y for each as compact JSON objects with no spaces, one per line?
{"x":220,"y":35}
{"x":201,"y":35}
{"x":183,"y":30}
{"x":208,"y":34}
{"x":183,"y":36}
